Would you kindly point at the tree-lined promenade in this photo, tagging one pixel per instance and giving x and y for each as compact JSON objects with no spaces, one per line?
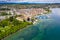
{"x":11,"y":25}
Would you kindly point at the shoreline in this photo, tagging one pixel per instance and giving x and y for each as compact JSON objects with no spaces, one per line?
{"x":35,"y":22}
{"x":16,"y":32}
{"x":20,"y":30}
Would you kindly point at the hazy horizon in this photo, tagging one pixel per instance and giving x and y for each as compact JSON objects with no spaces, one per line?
{"x":30,"y":1}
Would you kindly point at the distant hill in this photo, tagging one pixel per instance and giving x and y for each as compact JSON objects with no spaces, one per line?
{"x":29,"y":5}
{"x":5,"y":2}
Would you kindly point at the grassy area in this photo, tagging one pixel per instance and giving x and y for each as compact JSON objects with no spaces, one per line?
{"x":4,"y":13}
{"x":11,"y":25}
{"x":4,"y":9}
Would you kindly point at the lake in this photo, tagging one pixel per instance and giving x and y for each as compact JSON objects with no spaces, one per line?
{"x":47,"y":28}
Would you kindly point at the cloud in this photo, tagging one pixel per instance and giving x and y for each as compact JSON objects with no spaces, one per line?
{"x":55,"y":1}
{"x":39,"y":1}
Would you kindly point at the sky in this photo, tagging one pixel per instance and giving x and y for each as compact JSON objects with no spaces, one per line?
{"x":32,"y":1}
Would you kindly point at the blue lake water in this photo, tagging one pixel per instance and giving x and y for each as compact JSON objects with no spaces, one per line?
{"x":47,"y":28}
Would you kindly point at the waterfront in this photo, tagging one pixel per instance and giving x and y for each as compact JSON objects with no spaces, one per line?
{"x":46,"y":29}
